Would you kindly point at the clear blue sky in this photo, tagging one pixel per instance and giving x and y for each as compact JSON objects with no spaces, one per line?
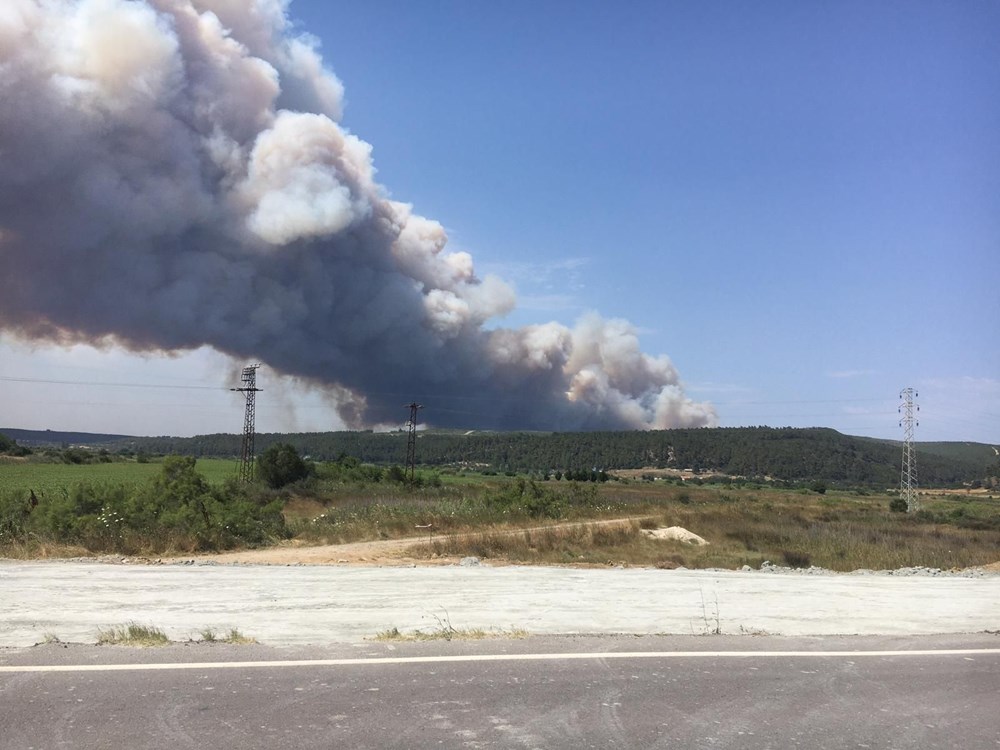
{"x":798,"y":202}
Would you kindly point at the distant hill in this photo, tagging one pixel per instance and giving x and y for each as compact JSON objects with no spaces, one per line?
{"x":978,"y":453}
{"x":53,"y":438}
{"x":790,"y":454}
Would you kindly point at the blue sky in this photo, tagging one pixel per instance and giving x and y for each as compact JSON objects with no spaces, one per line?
{"x":799,"y":203}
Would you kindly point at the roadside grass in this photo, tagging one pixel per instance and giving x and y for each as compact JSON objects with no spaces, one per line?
{"x":137,"y":635}
{"x":445,"y":632}
{"x":132,"y":634}
{"x":232,"y":636}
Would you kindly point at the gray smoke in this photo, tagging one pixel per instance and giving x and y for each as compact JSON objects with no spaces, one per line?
{"x":173,"y":175}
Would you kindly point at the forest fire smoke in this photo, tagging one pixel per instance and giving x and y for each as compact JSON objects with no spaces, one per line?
{"x":173,"y":174}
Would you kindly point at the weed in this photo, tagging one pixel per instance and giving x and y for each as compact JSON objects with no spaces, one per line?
{"x":132,"y":634}
{"x":208,"y":636}
{"x":234,"y":636}
{"x":464,"y":634}
{"x":713,"y":626}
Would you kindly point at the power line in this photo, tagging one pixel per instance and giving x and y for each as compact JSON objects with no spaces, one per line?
{"x":799,"y":401}
{"x":48,"y":381}
{"x":426,"y":395}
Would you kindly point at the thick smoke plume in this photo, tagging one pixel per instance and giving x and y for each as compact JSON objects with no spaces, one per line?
{"x":173,"y":175}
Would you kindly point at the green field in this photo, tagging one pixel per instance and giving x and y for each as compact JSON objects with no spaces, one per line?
{"x":43,"y":478}
{"x":163,"y":506}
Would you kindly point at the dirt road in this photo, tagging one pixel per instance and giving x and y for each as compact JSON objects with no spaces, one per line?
{"x":380,"y":552}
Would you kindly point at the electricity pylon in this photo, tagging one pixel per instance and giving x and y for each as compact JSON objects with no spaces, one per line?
{"x":411,"y":441}
{"x":249,"y":389}
{"x":908,"y":474}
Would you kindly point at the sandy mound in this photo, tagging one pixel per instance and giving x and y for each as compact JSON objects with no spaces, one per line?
{"x":676,"y":533}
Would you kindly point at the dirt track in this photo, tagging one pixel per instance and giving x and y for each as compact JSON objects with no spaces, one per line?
{"x":380,"y":552}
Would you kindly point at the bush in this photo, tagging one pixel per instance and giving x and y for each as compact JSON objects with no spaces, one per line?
{"x":525,"y":496}
{"x":280,"y":465}
{"x":15,"y":508}
{"x":177,"y":510}
{"x":796,"y":559}
{"x":349,"y":470}
{"x":11,"y":448}
{"x":897,"y":505}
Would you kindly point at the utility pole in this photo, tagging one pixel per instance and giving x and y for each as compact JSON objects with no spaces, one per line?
{"x":411,"y":440}
{"x":908,"y":475}
{"x":249,"y":389}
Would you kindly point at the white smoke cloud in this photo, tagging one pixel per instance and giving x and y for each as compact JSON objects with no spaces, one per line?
{"x":173,"y":174}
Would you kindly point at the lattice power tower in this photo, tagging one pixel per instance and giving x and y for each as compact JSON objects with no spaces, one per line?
{"x":247,"y":455}
{"x":908,"y":475}
{"x":411,"y":440}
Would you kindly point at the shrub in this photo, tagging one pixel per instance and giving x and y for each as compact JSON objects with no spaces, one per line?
{"x":395,"y":474}
{"x":177,"y":509}
{"x":281,"y":464}
{"x":11,"y":448}
{"x":897,"y":505}
{"x":14,"y":512}
{"x":527,"y":497}
{"x":795,"y":559}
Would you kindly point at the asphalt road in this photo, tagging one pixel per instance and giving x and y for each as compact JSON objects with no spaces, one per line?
{"x":611,"y":692}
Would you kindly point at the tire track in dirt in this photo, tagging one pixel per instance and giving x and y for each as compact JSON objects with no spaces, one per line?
{"x":380,"y":551}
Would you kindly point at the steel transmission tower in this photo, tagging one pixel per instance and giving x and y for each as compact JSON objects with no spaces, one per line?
{"x":248,"y":389}
{"x":908,"y":475}
{"x":411,"y":440}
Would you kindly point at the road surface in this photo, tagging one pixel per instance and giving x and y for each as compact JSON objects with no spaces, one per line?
{"x":558,"y":693}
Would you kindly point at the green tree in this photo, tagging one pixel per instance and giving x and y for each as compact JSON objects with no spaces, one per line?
{"x":11,"y":448}
{"x":280,"y":465}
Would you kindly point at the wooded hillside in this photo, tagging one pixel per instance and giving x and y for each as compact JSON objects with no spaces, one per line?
{"x":783,"y":453}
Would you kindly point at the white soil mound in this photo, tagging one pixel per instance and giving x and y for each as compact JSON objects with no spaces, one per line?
{"x":676,"y":533}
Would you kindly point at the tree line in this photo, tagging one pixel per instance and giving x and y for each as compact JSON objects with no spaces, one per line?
{"x":790,"y":454}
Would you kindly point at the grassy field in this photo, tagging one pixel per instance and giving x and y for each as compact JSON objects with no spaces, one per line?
{"x":523,"y":521}
{"x":838,"y":530}
{"x":20,"y":475}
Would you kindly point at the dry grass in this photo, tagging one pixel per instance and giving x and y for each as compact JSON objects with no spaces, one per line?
{"x":838,"y":531}
{"x":132,"y":634}
{"x":601,"y":544}
{"x":37,"y":549}
{"x":449,"y":634}
{"x":232,"y":636}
